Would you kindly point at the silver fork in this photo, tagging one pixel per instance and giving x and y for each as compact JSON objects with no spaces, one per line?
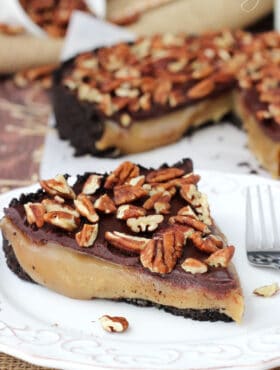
{"x":262,"y":234}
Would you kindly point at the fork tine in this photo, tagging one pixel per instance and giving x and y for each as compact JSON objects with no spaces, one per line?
{"x":263,"y":235}
{"x":276,"y":243}
{"x":250,"y":232}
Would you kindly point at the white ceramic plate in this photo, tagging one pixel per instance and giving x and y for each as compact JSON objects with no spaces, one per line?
{"x":47,"y":329}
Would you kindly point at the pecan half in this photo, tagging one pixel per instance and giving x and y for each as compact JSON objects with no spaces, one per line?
{"x":160,"y":201}
{"x":113,"y":324}
{"x":128,"y":193}
{"x":194,"y":266}
{"x":164,"y":174}
{"x":145,"y":223}
{"x":128,"y":211}
{"x":58,"y":186}
{"x":221,"y":257}
{"x":201,"y":89}
{"x":162,"y":252}
{"x":127,"y":242}
{"x":138,"y":180}
{"x":189,"y":178}
{"x":198,"y":201}
{"x":105,"y":204}
{"x":92,"y":184}
{"x":51,"y":205}
{"x":190,"y":193}
{"x":206,"y":244}
{"x":122,"y":174}
{"x":87,"y":236}
{"x":187,"y":211}
{"x":34,"y":213}
{"x":190,"y":221}
{"x":62,"y":220}
{"x":85,"y":207}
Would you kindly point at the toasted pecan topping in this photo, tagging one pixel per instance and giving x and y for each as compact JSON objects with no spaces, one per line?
{"x":187,"y":211}
{"x":126,"y":242}
{"x":85,"y":207}
{"x":204,"y":244}
{"x":105,"y":204}
{"x":124,"y":173}
{"x":128,"y":193}
{"x":160,"y":202}
{"x":34,"y":213}
{"x":201,"y":89}
{"x":221,"y":257}
{"x":190,"y":221}
{"x":145,"y":223}
{"x":58,"y":186}
{"x":194,"y":266}
{"x":51,"y":205}
{"x":92,"y":184}
{"x":161,"y":253}
{"x":63,"y":220}
{"x":164,"y":174}
{"x":87,"y":236}
{"x":128,"y":211}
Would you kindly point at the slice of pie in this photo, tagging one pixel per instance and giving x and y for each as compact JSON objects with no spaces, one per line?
{"x":138,"y":235}
{"x":129,"y":98}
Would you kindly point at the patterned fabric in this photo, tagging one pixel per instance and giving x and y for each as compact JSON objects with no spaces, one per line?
{"x":23,"y":125}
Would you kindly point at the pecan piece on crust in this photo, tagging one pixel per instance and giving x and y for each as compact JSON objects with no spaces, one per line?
{"x":122,"y":174}
{"x":190,"y":221}
{"x":145,"y":223}
{"x":63,"y":220}
{"x":85,"y":207}
{"x":92,"y":184}
{"x":194,"y":266}
{"x":164,"y":174}
{"x":35,"y":213}
{"x":221,"y":257}
{"x":128,"y":193}
{"x":113,"y":324}
{"x":58,"y":186}
{"x":161,"y":253}
{"x":206,"y":244}
{"x":105,"y":204}
{"x":129,"y":211}
{"x":87,"y":236}
{"x":127,"y":242}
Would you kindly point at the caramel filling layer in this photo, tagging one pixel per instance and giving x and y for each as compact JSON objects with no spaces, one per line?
{"x":163,"y":130}
{"x":85,"y":277}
